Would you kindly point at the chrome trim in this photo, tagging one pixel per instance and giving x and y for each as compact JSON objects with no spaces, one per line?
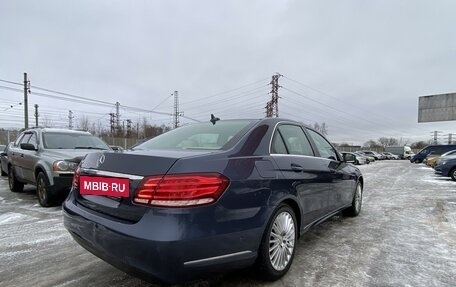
{"x":111,"y":174}
{"x":289,"y":123}
{"x":295,"y":155}
{"x":209,"y":259}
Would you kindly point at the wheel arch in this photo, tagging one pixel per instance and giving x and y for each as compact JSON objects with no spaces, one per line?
{"x":296,"y":209}
{"x":40,"y":168}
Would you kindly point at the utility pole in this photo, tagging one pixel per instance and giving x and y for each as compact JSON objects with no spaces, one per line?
{"x":70,"y":119}
{"x":118,"y":117}
{"x":436,"y":136}
{"x":111,"y":122}
{"x":128,"y":128}
{"x":449,"y":137}
{"x":272,"y":107}
{"x":26,"y":92}
{"x":36,"y":115}
{"x":176,"y":114}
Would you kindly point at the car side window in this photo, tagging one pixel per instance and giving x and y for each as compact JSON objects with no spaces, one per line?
{"x":25,"y":138}
{"x":33,"y":140}
{"x":278,"y":146}
{"x":324,"y":147}
{"x":295,"y":140}
{"x":18,"y":140}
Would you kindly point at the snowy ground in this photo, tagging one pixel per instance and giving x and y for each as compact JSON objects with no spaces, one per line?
{"x":405,"y":236}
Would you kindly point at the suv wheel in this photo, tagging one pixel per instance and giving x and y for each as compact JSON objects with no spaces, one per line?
{"x":14,"y":184}
{"x":42,"y":190}
{"x":2,"y":172}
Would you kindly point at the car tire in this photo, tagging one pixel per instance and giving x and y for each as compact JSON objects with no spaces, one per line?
{"x":357,"y":201}
{"x":453,"y":174}
{"x":417,"y":161}
{"x":2,"y":172}
{"x":278,"y":245}
{"x":43,"y":190}
{"x":14,"y":184}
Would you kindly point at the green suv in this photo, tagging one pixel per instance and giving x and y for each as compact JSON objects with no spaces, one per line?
{"x":47,"y":158}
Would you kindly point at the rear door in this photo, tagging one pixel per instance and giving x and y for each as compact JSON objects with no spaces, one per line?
{"x":305,"y":175}
{"x":17,"y":159}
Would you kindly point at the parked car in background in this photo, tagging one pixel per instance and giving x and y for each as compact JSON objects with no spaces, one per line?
{"x":359,"y":159}
{"x":47,"y":158}
{"x":434,"y":160}
{"x":446,"y":166}
{"x":3,"y":160}
{"x":390,"y":155}
{"x":435,"y":149}
{"x":403,"y":152}
{"x":209,"y":197}
{"x":373,"y":154}
{"x":117,"y":148}
{"x":368,"y":157}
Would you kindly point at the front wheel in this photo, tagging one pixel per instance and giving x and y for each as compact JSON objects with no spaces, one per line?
{"x":357,"y":201}
{"x":453,"y":174}
{"x":277,"y":247}
{"x":42,"y":190}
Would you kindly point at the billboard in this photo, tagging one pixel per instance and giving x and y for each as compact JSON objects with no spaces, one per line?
{"x":436,"y":108}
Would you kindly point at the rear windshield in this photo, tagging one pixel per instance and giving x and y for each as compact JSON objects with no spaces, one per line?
{"x":72,"y":141}
{"x":199,"y":136}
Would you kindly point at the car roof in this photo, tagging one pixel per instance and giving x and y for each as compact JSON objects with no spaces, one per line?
{"x":59,"y":130}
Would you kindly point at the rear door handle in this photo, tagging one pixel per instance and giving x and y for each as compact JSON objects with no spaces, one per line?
{"x":296,"y":167}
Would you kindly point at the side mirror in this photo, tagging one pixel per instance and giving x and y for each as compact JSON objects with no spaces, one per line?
{"x":349,"y":158}
{"x":28,"y":146}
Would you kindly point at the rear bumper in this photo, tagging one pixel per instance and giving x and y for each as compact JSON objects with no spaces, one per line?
{"x":160,"y":248}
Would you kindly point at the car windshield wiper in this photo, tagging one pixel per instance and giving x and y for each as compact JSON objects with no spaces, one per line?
{"x":89,"y":147}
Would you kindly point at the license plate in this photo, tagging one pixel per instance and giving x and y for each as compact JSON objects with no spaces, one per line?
{"x":107,"y":186}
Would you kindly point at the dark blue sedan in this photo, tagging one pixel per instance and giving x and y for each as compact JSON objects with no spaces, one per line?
{"x":210,"y":197}
{"x":446,"y":166}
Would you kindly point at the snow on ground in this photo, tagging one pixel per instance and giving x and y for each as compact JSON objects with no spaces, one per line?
{"x":405,"y":236}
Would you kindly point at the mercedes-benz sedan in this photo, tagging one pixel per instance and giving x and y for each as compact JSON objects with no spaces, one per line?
{"x":210,"y":197}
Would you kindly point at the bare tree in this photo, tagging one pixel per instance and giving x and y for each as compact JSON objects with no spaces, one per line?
{"x":47,"y":122}
{"x":84,"y":123}
{"x":321,"y":128}
{"x":384,"y":141}
{"x":371,"y":144}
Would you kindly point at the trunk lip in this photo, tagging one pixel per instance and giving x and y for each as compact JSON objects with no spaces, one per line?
{"x":91,"y":171}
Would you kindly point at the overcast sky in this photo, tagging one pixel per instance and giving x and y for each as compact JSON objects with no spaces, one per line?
{"x":358,"y":66}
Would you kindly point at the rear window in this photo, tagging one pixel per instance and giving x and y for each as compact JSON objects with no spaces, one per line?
{"x":199,"y":136}
{"x":72,"y":141}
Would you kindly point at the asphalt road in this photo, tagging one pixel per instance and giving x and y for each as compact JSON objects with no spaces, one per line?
{"x":405,"y":236}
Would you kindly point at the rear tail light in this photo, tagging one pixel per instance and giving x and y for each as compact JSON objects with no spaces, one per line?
{"x":179,"y":190}
{"x":76,"y":178}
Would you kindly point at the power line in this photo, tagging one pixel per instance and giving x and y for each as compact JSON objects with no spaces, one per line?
{"x":11,"y":82}
{"x":225,"y":92}
{"x":337,"y":99}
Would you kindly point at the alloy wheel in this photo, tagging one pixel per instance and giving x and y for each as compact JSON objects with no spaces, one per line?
{"x":41,"y":188}
{"x":358,"y":198}
{"x":282,"y":241}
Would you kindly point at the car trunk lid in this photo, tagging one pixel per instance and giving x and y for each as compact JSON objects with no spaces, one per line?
{"x":99,"y":169}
